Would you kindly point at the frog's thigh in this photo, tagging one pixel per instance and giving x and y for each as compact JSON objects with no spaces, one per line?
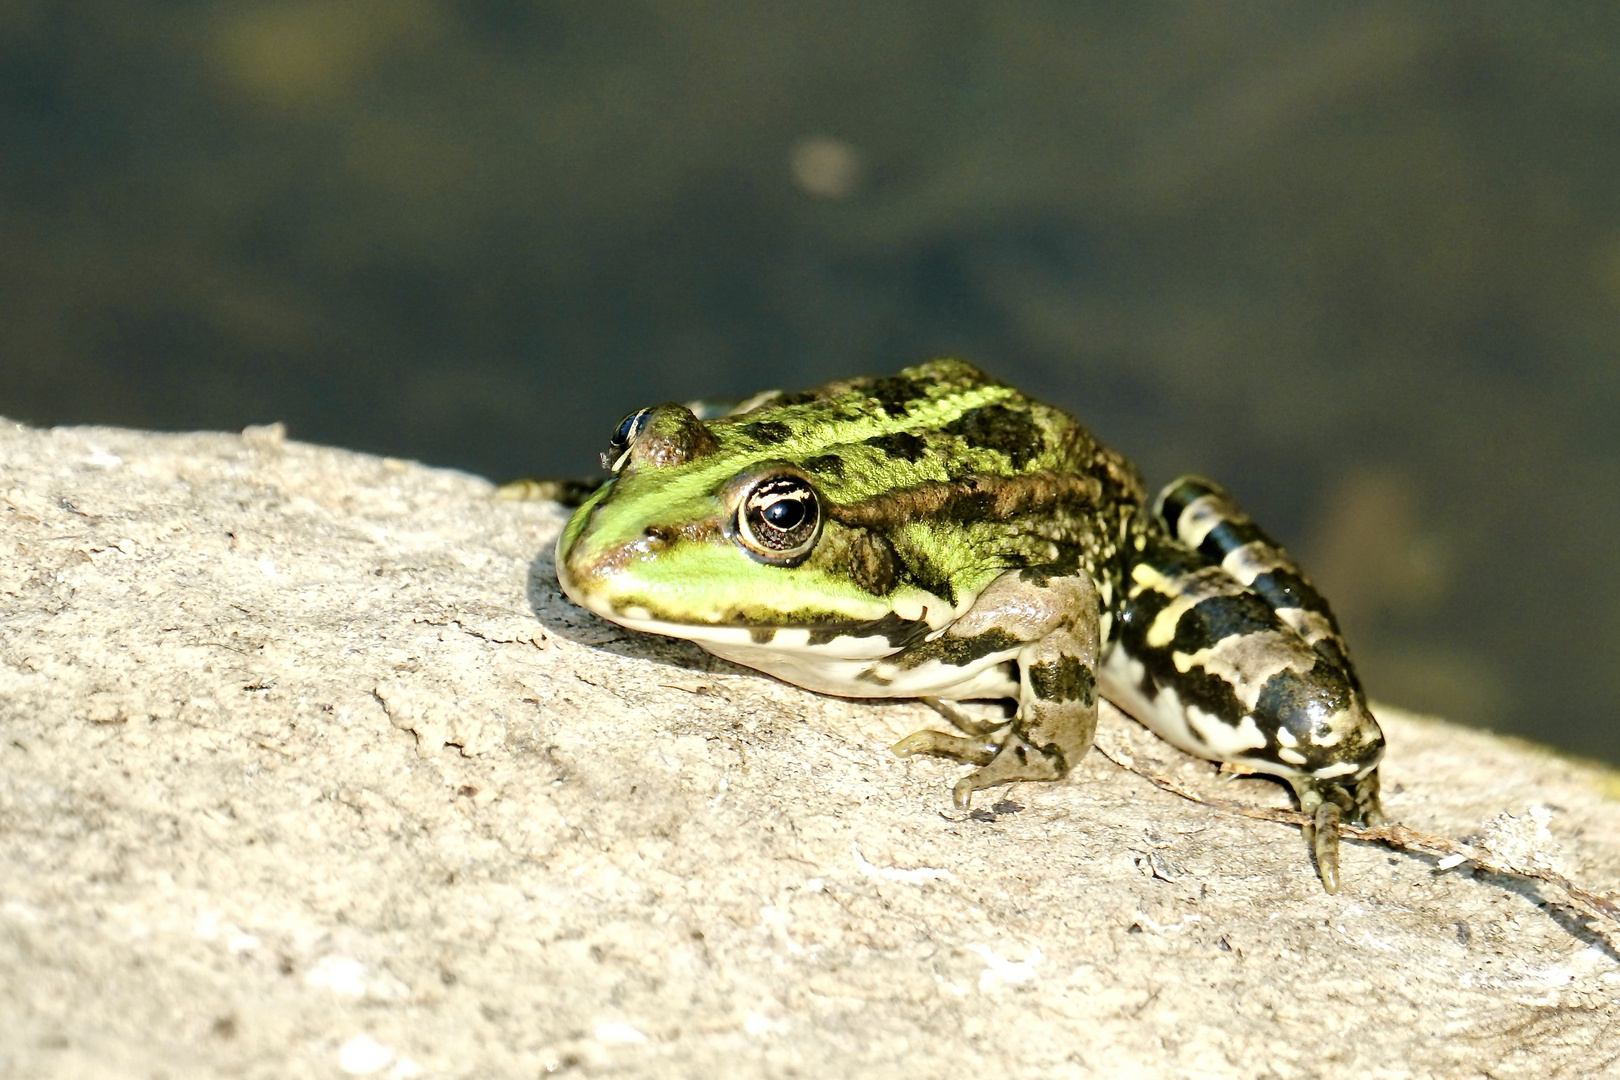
{"x":1056,"y":618}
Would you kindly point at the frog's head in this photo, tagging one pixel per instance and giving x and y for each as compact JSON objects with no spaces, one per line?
{"x":783,"y":514}
{"x":710,"y":526}
{"x":843,"y":505}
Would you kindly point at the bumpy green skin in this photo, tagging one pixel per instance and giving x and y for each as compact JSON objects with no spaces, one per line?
{"x":974,"y":543}
{"x":876,"y":450}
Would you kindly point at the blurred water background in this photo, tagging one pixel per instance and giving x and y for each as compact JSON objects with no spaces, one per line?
{"x":1359,"y":262}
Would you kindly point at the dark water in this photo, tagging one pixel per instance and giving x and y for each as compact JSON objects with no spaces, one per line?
{"x":1360,"y":263}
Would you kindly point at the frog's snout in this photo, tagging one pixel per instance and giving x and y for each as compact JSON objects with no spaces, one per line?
{"x":592,"y":572}
{"x":579,"y":568}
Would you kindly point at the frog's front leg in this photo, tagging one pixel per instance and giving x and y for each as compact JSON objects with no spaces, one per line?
{"x":1048,"y":624}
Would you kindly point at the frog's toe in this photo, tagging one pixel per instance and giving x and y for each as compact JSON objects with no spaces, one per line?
{"x":1326,"y":829}
{"x":1014,"y":760}
{"x":1329,"y":803}
{"x":961,"y":720}
{"x":971,"y":750}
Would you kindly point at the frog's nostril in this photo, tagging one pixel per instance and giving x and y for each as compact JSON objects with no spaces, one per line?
{"x":658,"y":534}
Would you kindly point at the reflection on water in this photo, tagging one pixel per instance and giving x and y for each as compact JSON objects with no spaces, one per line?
{"x":1360,"y":264}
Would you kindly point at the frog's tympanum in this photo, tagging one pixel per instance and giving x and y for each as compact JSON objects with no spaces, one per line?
{"x":938,"y":535}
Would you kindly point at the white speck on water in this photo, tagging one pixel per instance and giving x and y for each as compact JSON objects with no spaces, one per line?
{"x":826,"y":168}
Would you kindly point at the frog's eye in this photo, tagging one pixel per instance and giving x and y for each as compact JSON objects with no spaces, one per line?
{"x":779,"y":520}
{"x":624,"y":436}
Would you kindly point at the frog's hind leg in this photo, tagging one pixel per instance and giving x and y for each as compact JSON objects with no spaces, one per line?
{"x":1049,"y":622}
{"x":1226,"y":651}
{"x":1205,"y":517}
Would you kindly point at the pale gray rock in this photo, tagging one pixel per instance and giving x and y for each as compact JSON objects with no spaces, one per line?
{"x":307,"y":769}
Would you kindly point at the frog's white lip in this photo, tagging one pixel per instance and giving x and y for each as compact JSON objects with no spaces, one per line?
{"x":591,"y":602}
{"x":633,"y":616}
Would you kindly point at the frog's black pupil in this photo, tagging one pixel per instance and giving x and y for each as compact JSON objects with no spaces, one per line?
{"x":785,"y":513}
{"x":779,"y":520}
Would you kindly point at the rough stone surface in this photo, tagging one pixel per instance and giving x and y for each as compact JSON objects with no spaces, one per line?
{"x":307,"y":769}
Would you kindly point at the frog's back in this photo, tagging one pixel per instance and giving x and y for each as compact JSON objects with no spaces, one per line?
{"x":935,"y":422}
{"x":966,"y":475}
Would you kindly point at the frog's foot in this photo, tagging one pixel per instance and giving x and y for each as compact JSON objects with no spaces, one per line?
{"x":1015,"y":760}
{"x":1005,"y":758}
{"x":974,"y":751}
{"x":1328,"y":803}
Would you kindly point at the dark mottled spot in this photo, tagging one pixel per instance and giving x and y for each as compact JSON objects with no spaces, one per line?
{"x":1179,"y":495}
{"x":958,"y":651}
{"x":1195,"y":687}
{"x":1332,"y":651}
{"x":1198,"y":687}
{"x":1229,"y":535}
{"x":1286,"y":589}
{"x":873,"y":564}
{"x":797,"y":397}
{"x":826,"y":464}
{"x":1303,"y":702}
{"x":901,"y":444}
{"x":1067,"y":564}
{"x":896,"y":393}
{"x":768,"y":432}
{"x":1220,"y":617}
{"x":1064,"y":679}
{"x":898,"y":632}
{"x":1170,"y":559}
{"x":761,"y":635}
{"x":977,"y":498}
{"x":996,"y":427}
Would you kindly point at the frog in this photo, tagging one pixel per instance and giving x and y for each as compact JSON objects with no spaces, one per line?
{"x":936,"y":534}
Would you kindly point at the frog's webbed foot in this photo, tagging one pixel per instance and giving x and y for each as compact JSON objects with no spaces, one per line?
{"x":1004,"y":758}
{"x":1050,"y":618}
{"x":1328,"y":803}
{"x":1015,"y":760}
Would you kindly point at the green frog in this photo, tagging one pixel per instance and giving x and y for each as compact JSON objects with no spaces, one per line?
{"x":936,"y":534}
